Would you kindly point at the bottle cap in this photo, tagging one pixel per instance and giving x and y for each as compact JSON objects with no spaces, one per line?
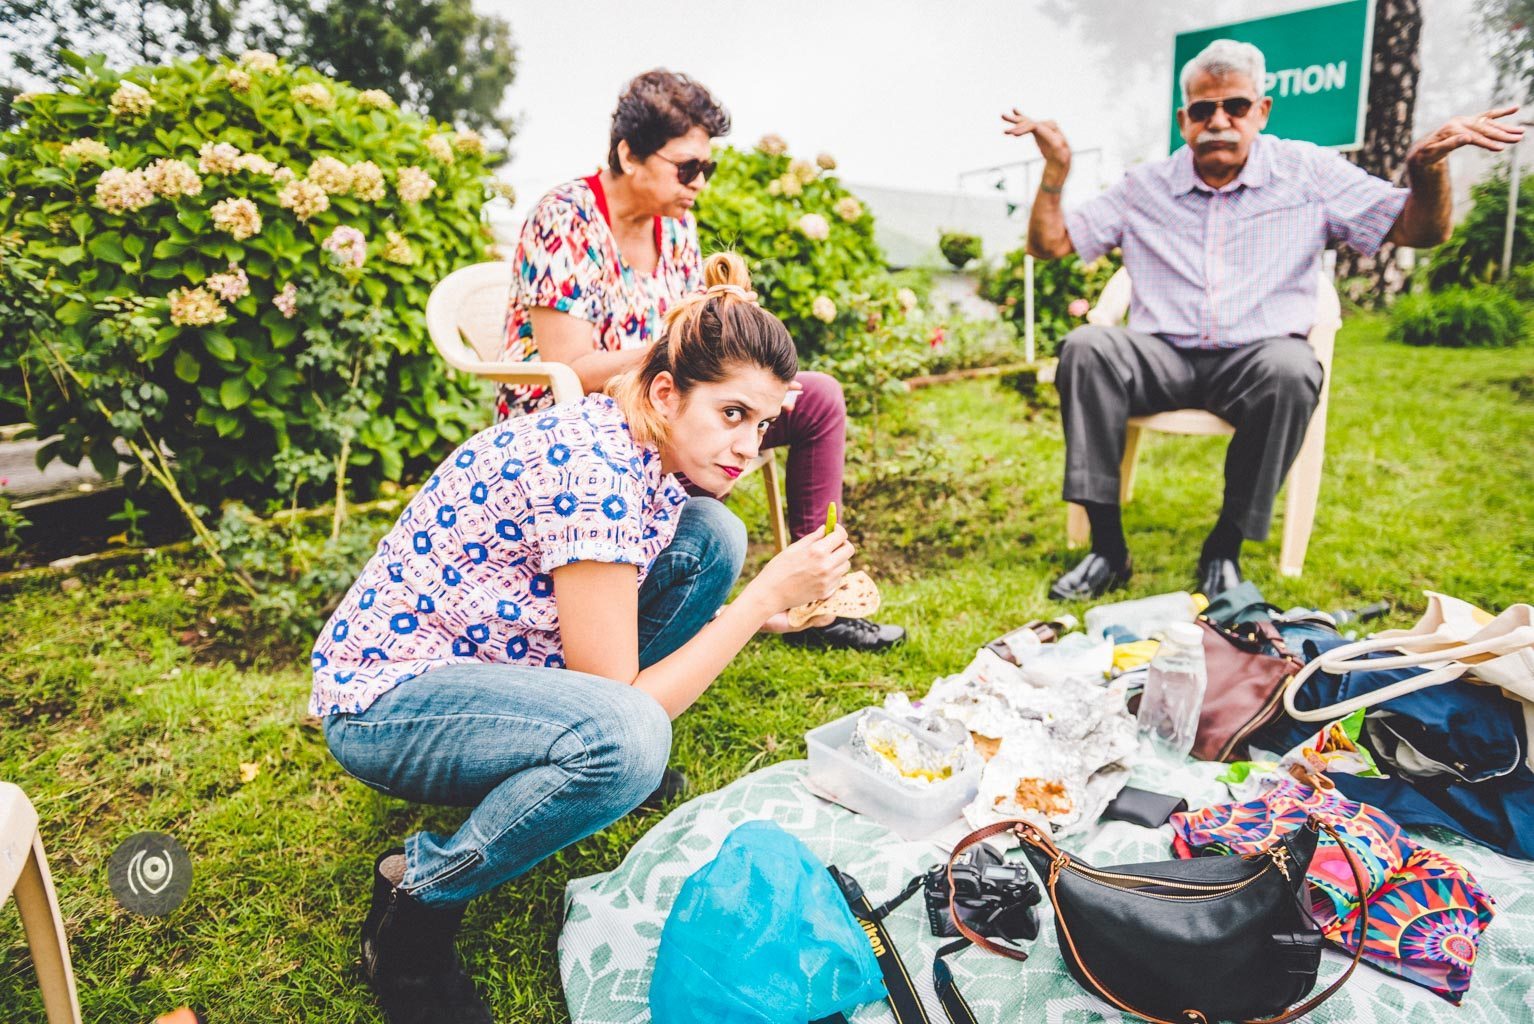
{"x":1185,"y":634}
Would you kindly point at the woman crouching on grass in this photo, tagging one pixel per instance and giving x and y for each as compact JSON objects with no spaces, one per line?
{"x":545,"y":605}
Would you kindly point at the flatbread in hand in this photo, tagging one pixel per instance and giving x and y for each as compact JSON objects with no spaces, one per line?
{"x":856,"y":597}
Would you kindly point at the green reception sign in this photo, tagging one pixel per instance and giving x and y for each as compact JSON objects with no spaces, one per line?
{"x":1318,"y":70}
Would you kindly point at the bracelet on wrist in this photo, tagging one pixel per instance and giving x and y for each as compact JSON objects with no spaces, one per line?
{"x":1053,"y":190}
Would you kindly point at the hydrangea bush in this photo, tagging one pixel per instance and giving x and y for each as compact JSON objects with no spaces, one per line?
{"x":810,"y":245}
{"x":229,"y":261}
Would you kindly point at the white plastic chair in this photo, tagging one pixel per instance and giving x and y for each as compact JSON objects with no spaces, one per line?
{"x":466,"y":318}
{"x":1304,"y":485}
{"x":24,"y":874}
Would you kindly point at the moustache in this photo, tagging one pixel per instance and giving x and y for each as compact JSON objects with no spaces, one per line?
{"x":1229,"y":135}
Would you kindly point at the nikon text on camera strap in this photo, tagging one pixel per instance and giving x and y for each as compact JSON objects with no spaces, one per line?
{"x":903,"y":999}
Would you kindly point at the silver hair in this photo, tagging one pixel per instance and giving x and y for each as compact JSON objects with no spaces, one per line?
{"x":1226,"y":57}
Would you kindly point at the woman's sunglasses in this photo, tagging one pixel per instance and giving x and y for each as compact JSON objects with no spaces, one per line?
{"x":1236,"y":107}
{"x":686,"y":170}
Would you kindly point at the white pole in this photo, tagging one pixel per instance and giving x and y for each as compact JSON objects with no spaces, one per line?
{"x":1028,"y":308}
{"x":1512,"y":211}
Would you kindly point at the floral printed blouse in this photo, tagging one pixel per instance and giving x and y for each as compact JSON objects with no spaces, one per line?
{"x":464,"y":575}
{"x":568,"y":260}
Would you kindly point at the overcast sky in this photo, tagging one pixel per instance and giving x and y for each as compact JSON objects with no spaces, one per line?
{"x":904,"y":93}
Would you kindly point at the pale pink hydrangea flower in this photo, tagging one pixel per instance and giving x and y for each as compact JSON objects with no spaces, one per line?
{"x":348,"y":245}
{"x":231,"y":285}
{"x":195,"y":307}
{"x":814,"y":227}
{"x":286,"y":300}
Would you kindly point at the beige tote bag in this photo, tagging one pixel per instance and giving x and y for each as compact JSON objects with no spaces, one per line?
{"x":1453,"y":639}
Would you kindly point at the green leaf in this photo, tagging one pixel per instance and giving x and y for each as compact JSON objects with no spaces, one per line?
{"x":168,"y":248}
{"x":219,"y":345}
{"x":133,"y":245}
{"x":187,"y":367}
{"x":109,"y":247}
{"x":233,"y":392}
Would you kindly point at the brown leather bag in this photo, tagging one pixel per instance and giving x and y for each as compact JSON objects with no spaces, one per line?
{"x":1245,"y":691}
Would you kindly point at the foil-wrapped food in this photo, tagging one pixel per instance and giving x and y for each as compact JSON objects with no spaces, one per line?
{"x":919,"y":749}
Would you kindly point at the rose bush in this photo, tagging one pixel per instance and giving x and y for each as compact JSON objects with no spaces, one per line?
{"x":229,"y":261}
{"x":1059,"y":289}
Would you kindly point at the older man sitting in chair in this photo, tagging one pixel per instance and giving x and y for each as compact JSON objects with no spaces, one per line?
{"x":1223,"y":240}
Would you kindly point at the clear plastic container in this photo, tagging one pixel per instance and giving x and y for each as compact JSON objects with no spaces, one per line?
{"x":1143,"y":619}
{"x":913,"y":812}
{"x":1174,"y":693}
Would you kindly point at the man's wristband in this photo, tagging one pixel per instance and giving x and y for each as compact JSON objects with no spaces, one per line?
{"x":1053,"y":190}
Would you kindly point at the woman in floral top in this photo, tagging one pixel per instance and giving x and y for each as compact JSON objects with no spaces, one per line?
{"x":544,"y":606}
{"x":602,"y":258}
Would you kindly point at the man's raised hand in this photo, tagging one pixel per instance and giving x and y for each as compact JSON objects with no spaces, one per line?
{"x":1483,"y":130}
{"x":1051,"y":140}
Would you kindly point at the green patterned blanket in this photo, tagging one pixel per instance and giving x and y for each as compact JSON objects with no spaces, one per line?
{"x":613,"y":921}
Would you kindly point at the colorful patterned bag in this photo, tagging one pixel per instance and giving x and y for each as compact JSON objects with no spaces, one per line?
{"x":1426,"y":913}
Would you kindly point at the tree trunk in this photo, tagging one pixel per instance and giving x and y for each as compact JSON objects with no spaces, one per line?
{"x":1393,"y":72}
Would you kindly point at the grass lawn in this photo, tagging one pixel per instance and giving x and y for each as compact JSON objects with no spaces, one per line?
{"x":114,"y":724}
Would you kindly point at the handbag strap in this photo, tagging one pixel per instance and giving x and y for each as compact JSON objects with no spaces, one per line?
{"x":1340,"y":659}
{"x":979,"y":835}
{"x":1059,"y":860}
{"x":1434,"y":677}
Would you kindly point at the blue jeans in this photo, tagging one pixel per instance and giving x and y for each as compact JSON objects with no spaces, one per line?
{"x":545,"y":756}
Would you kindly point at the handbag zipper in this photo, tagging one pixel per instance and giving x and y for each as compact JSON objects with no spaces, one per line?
{"x":1203,"y":892}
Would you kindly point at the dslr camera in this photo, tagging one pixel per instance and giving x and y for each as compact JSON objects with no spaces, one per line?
{"x":991,"y":897}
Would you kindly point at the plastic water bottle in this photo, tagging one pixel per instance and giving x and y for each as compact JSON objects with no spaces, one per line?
{"x":1140,"y":620}
{"x":1174,"y":692}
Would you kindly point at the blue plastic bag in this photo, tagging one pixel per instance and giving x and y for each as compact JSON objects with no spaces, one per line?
{"x":761,"y":935}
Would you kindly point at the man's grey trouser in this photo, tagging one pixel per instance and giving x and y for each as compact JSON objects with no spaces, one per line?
{"x":1266,"y":390}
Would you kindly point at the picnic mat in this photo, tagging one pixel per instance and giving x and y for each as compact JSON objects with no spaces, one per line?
{"x":613,"y":921}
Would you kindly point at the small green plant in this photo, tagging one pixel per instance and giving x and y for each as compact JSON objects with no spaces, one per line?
{"x":1473,"y":254}
{"x":1063,"y":291}
{"x":1478,"y":317}
{"x":300,"y":572}
{"x":131,"y":515}
{"x":12,"y":522}
{"x":958,"y":248}
{"x":1520,"y":283}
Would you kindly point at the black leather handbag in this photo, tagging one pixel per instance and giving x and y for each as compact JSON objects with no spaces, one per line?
{"x":1187,"y":941}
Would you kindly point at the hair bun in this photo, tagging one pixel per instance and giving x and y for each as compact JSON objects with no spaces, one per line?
{"x":726,"y":268}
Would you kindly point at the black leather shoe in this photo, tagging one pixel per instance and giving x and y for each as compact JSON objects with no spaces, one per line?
{"x":672,"y":785}
{"x":848,"y":635}
{"x":1217,"y":576}
{"x":1093,"y":577}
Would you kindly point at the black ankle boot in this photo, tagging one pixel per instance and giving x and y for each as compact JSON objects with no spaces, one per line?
{"x":409,"y":959}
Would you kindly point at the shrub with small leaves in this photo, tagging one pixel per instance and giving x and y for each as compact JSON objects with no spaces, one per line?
{"x":1478,"y":317}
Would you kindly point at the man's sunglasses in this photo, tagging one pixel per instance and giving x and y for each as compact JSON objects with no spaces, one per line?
{"x":686,"y":170}
{"x":1235,"y":107}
